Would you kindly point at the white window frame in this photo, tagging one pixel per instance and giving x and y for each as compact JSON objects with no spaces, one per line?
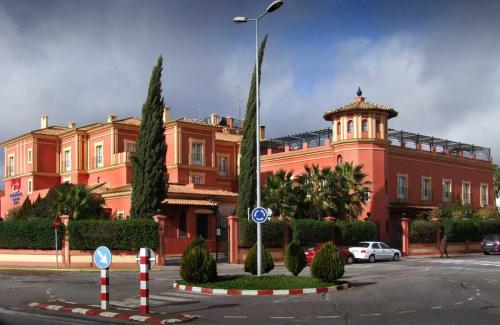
{"x":67,"y":162}
{"x":11,"y":161}
{"x":197,"y":176}
{"x":202,"y":160}
{"x":97,"y":163}
{"x":364,"y":125}
{"x":468,"y":194}
{"x":30,"y":185}
{"x":120,"y":215}
{"x":220,"y":170}
{"x":445,"y":190}
{"x":400,"y":195}
{"x":30,"y":155}
{"x":67,"y":180}
{"x":484,"y":194}
{"x":427,"y":197}
{"x":350,"y":126}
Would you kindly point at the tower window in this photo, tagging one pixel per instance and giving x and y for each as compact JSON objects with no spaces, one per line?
{"x":338,"y":128}
{"x":350,"y":126}
{"x":339,"y":160}
{"x":364,"y":125}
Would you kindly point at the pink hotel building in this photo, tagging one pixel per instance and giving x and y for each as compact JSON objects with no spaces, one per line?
{"x":409,"y":172}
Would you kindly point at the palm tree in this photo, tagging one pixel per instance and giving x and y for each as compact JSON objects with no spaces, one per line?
{"x":316,"y":188}
{"x":353,"y":189}
{"x":78,"y":202}
{"x":280,"y":194}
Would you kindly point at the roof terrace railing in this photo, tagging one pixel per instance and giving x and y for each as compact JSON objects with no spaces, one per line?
{"x":296,"y":141}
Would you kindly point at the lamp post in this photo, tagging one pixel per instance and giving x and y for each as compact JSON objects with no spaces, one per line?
{"x":272,"y":7}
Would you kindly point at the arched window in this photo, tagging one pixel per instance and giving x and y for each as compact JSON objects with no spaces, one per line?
{"x":182,"y":224}
{"x":339,"y":160}
{"x":364,"y":125}
{"x":379,"y":126}
{"x":350,"y":126}
{"x":338,"y":128}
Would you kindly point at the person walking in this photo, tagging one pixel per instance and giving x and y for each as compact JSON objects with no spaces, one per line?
{"x":444,"y":246}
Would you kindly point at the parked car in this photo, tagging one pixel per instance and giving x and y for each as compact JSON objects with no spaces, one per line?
{"x":490,"y":243}
{"x":374,"y":250}
{"x":346,"y":256}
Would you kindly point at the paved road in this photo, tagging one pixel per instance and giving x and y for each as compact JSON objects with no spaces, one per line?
{"x":459,"y":290}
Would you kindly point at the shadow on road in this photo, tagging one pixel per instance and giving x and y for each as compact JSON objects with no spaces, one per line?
{"x":361,"y":284}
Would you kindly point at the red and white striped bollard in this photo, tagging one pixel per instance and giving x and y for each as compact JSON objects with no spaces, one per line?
{"x":104,"y":288}
{"x":144,"y":269}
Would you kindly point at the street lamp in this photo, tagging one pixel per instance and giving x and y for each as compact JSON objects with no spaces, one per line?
{"x":240,"y":19}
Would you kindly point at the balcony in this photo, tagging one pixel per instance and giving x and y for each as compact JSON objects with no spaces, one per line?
{"x":123,"y":157}
{"x":197,"y":160}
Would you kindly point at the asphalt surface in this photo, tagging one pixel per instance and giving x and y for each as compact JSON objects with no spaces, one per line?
{"x":459,"y":290}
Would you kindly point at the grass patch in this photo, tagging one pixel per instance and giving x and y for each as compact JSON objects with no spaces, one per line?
{"x":271,"y":282}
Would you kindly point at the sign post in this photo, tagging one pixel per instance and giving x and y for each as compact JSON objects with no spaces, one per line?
{"x":259,"y":215}
{"x":102,"y":258}
{"x":56,"y":224}
{"x":147,"y":260}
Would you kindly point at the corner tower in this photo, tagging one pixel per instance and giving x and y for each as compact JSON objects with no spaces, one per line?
{"x":360,"y":136}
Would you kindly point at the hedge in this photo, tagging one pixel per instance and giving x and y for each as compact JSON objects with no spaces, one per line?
{"x":115,"y":234}
{"x":352,"y":232}
{"x":273,"y":233}
{"x":422,"y":231}
{"x":29,"y":234}
{"x":310,"y":231}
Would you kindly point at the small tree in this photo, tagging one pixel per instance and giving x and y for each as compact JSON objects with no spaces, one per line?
{"x":251,"y":261}
{"x":79,"y":203}
{"x":197,"y":264}
{"x":295,"y":258}
{"x":327,"y":264}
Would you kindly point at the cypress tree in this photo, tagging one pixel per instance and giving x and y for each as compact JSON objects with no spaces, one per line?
{"x":149,"y":179}
{"x":248,"y":181}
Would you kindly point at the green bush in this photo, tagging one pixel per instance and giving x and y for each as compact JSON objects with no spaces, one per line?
{"x":352,"y":232}
{"x":273,"y":233}
{"x":29,"y":234}
{"x":115,"y":234}
{"x":327,"y":264}
{"x":460,"y":230}
{"x":310,"y":231}
{"x":295,"y":258}
{"x":422,"y":231}
{"x":251,"y":261}
{"x":197,"y":264}
{"x":485,"y":227}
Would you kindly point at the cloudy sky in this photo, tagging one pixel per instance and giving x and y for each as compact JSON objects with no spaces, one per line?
{"x":436,"y":62}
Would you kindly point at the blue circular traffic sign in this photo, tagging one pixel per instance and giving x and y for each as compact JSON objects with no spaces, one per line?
{"x":259,"y":215}
{"x":102,"y":257}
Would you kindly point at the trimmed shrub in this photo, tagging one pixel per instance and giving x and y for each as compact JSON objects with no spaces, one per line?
{"x":486,"y":227}
{"x":327,"y":264}
{"x":197,"y":264}
{"x":29,"y":234}
{"x":310,"y":231}
{"x":422,"y":231}
{"x":460,"y":230}
{"x":352,"y":232}
{"x":116,"y":234}
{"x":251,"y":261}
{"x":295,"y":258}
{"x":273,"y":233}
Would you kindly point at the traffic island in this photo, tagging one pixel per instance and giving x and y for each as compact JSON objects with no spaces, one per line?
{"x":151,"y":318}
{"x":273,"y":285}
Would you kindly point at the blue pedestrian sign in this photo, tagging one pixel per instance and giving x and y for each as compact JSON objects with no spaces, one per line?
{"x":259,"y":215}
{"x":102,"y":257}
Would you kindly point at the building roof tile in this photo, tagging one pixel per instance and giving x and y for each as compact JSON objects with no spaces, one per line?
{"x":359,"y":104}
{"x":228,"y":137}
{"x":190,"y":202}
{"x":173,"y":189}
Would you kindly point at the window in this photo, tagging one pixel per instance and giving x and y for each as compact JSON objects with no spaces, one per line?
{"x":130,"y":147}
{"x":350,"y":126}
{"x":384,"y":246}
{"x":447,"y":194}
{"x":30,"y":186}
{"x":99,"y":159}
{"x":10,"y":168}
{"x":182,"y":224}
{"x":120,"y":215}
{"x":466,"y":199}
{"x":30,"y":156}
{"x":338,"y":128}
{"x":197,"y":179}
{"x":339,"y":160}
{"x":197,"y":154}
{"x":366,"y":195}
{"x":402,"y":186}
{"x":426,"y":188}
{"x":67,"y":160}
{"x":375,"y":246}
{"x":484,"y":195}
{"x":202,"y":225}
{"x":379,"y":126}
{"x":223,"y":164}
{"x":364,"y":125}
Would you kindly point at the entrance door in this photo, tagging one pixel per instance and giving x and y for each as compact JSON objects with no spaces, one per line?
{"x":202,"y":225}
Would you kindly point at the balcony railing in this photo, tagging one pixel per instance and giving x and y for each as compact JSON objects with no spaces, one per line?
{"x":123,"y":157}
{"x":197,"y":160}
{"x":403,"y":194}
{"x":426,"y":195}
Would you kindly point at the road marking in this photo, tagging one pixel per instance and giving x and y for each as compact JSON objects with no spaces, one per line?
{"x":437,"y":307}
{"x":367,"y":315}
{"x":325,"y":317}
{"x":237,"y":317}
{"x":407,"y":311}
{"x":459,"y":303}
{"x":282,"y":317}
{"x":165,"y":298}
{"x":471,"y":298}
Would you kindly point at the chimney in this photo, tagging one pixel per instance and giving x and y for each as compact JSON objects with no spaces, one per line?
{"x":111,"y":118}
{"x":44,"y":122}
{"x":166,"y":114}
{"x":72,"y":125}
{"x":230,"y":121}
{"x":262,"y":132}
{"x":214,"y":119}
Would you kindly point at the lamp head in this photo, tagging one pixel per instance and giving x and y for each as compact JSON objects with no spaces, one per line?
{"x":240,"y":19}
{"x":274,"y":6}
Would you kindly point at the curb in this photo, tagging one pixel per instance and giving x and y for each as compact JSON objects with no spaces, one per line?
{"x":109,"y":314}
{"x":237,"y":292}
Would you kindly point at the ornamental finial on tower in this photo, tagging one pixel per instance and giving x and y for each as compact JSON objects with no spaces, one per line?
{"x":359,"y":93}
{"x":359,"y":98}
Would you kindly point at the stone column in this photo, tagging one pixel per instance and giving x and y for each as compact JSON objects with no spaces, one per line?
{"x":66,"y":256}
{"x":233,"y":222}
{"x":162,"y":227}
{"x":405,"y":236}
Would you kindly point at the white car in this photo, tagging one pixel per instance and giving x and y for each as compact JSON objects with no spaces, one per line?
{"x":374,"y":250}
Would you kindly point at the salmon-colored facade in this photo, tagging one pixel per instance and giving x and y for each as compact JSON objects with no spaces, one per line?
{"x":409,"y":173}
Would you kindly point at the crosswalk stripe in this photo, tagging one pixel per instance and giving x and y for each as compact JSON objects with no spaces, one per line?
{"x":465,"y":262}
{"x":166,"y":298}
{"x":158,"y":299}
{"x":184,"y":294}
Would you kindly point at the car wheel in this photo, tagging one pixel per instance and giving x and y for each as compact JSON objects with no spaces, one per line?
{"x":486,"y":253}
{"x":395,"y":257}
{"x":350,"y":260}
{"x":371,"y":259}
